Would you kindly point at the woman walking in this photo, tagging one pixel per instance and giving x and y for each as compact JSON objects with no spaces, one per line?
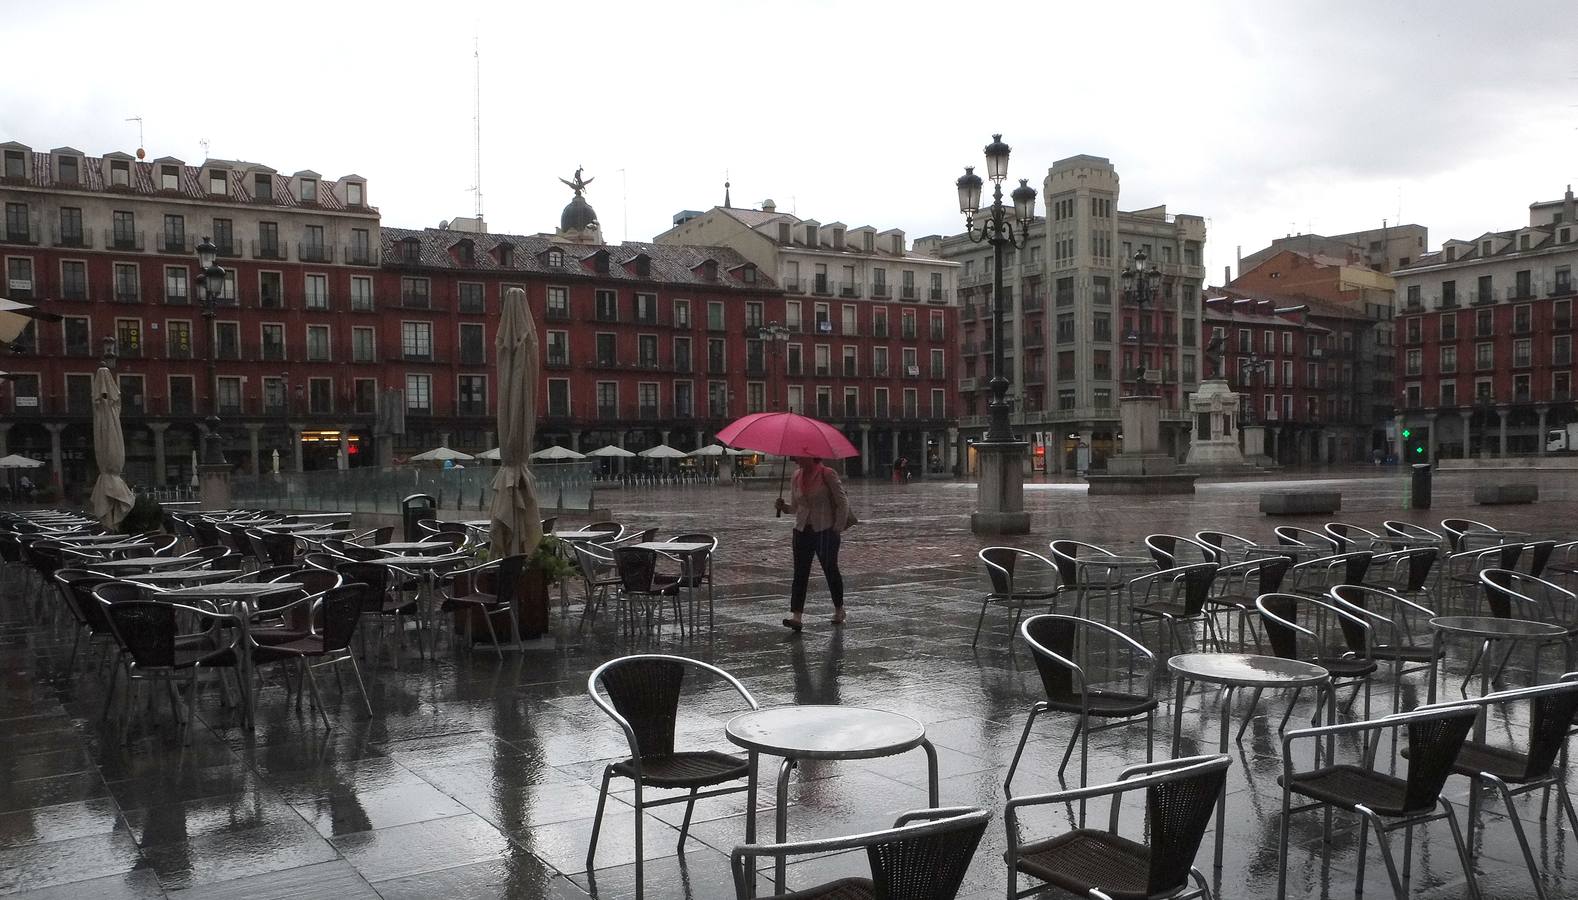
{"x":821,"y":510}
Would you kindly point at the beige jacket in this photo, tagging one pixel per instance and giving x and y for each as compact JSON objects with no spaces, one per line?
{"x":824,"y":505}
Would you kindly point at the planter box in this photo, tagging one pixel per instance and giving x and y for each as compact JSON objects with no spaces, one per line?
{"x":1300,"y":503}
{"x":531,"y":609}
{"x":1501,"y":494}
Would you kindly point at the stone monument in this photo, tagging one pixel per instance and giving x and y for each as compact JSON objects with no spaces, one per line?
{"x":1143,"y":467}
{"x":1215,"y":444}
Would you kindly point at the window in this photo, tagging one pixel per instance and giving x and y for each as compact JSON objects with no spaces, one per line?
{"x":717,"y":359}
{"x":607,"y":306}
{"x":1522,"y":353}
{"x":1065,"y":328}
{"x":1484,"y":356}
{"x":313,"y":249}
{"x":1448,"y":360}
{"x":419,"y":394}
{"x":128,"y":337}
{"x":682,"y":354}
{"x":684,"y":401}
{"x":70,"y":226}
{"x":263,"y":186}
{"x":473,"y":395}
{"x":227,"y":340}
{"x":120,"y":173}
{"x":880,"y":398}
{"x":317,"y":292}
{"x":123,"y":229}
{"x":270,"y":293}
{"x":1187,"y":368}
{"x":361,"y":249}
{"x":229,"y":395}
{"x":471,"y":298}
{"x":1101,"y":290}
{"x":416,"y":340}
{"x":1287,"y":373}
{"x":366,"y":394}
{"x":1449,"y":327}
{"x":274,"y":396}
{"x":175,"y":284}
{"x":936,"y":370}
{"x":1561,"y":386}
{"x":850,"y":324}
{"x":645,"y":306}
{"x":682,"y":313}
{"x":1484,"y":323}
{"x":1100,"y":327}
{"x":15,"y":164}
{"x":1563,"y":280}
{"x":353,"y":193}
{"x":178,"y":339}
{"x":69,"y":170}
{"x":1521,"y":318}
{"x":320,"y":395}
{"x":558,"y":303}
{"x":879,"y":361}
{"x":473,"y":350}
{"x":268,"y":240}
{"x":414,"y":293}
{"x":273,"y":336}
{"x":309,"y":190}
{"x":936,"y":331}
{"x":607,"y":351}
{"x":361,"y":294}
{"x":1448,"y":294}
{"x":1245,"y":344}
{"x":218,"y":181}
{"x":1449,"y":393}
{"x":939,"y":403}
{"x":558,"y":397}
{"x":715,"y":316}
{"x":317,"y":343}
{"x":126,"y":283}
{"x":75,"y":332}
{"x":175,"y":234}
{"x":646,"y":350}
{"x":363,"y":346}
{"x":224,"y":237}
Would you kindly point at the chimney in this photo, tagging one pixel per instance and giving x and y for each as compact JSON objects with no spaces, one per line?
{"x":1567,"y":205}
{"x":1227,"y":274}
{"x":769,"y":206}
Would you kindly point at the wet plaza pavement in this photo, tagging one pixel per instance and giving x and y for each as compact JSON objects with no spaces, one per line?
{"x":479,"y":778}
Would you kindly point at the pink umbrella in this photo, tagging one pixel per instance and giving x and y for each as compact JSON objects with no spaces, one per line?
{"x":787,"y":434}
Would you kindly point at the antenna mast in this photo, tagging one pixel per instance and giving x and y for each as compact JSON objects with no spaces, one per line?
{"x":476,"y":122}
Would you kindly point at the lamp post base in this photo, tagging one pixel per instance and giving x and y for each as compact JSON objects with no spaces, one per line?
{"x":213,"y":483}
{"x":1000,"y":490}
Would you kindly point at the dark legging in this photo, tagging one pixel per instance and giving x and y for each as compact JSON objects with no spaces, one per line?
{"x":824,"y":546}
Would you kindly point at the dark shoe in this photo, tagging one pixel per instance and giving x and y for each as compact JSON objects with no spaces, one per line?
{"x":792,"y":625}
{"x":835,"y":622}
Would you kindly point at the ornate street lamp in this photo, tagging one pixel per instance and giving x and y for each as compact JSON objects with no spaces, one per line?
{"x":1140,"y":285}
{"x":775,"y":336}
{"x":213,"y":276}
{"x":1000,"y":229}
{"x":1248,"y":367}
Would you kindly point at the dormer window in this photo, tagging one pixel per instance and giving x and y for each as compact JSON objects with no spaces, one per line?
{"x":599,"y":260}
{"x":263,"y":186}
{"x":120,"y":173}
{"x":465,"y":253}
{"x":783,"y":232}
{"x":218,"y":182}
{"x":1484,"y":248}
{"x":70,"y":171}
{"x":810,"y":235}
{"x":708,"y":270}
{"x":1451,"y":254}
{"x":410,"y":250}
{"x":555,"y":256}
{"x":309,"y":190}
{"x":838,"y":239}
{"x":505,"y":254}
{"x":353,"y":193}
{"x":639,"y":265}
{"x":871,"y":242}
{"x":15,"y":164}
{"x":748,"y":274}
{"x":169,"y":178}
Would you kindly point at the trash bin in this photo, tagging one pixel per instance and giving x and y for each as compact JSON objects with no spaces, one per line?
{"x":1421,"y":487}
{"x":414,"y":509}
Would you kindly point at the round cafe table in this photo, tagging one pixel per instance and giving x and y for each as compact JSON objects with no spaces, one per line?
{"x":1488,"y":630}
{"x":821,"y":732}
{"x":1232,"y":671}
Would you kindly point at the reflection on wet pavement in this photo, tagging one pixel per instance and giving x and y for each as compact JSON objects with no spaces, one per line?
{"x":478,"y":778}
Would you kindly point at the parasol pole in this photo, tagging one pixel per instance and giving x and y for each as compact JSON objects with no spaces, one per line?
{"x":782,"y":465}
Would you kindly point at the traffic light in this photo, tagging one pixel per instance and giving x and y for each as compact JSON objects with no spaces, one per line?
{"x":1415,"y":445}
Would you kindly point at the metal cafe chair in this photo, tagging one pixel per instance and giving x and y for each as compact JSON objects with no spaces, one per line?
{"x":1062,"y":649}
{"x":1399,"y":630}
{"x":1166,"y":548}
{"x":1514,"y":595}
{"x":1384,"y":801}
{"x":1226,"y":544}
{"x":1541,"y":766}
{"x":1180,"y":798}
{"x":1346,"y":533}
{"x":1175,"y":597}
{"x":1301,"y":627}
{"x":643,"y":694}
{"x":1081,"y":579}
{"x":1002,"y":565}
{"x":1294,"y":536}
{"x":1236,"y":587}
{"x":1408,"y":531}
{"x":924,"y":856}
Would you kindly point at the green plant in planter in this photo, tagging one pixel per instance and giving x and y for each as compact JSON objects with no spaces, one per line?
{"x":146,"y":515}
{"x":546,"y":559}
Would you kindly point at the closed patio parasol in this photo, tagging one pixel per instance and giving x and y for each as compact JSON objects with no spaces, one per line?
{"x":111,"y":499}
{"x":516,"y":525}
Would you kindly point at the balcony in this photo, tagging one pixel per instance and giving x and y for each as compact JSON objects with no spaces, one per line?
{"x":227,"y":247}
{"x":879,"y":330}
{"x":1034,"y":302}
{"x":647,"y":411}
{"x":907,"y":333}
{"x":557,"y":360}
{"x":122,"y":239}
{"x":937,"y":295}
{"x":794,"y":286}
{"x":967,"y":312}
{"x":360,"y":256}
{"x":316,"y":253}
{"x":1482,"y":298}
{"x":71,"y":238}
{"x":1560,"y":288}
{"x":1032,"y":340}
{"x":1030,"y":268}
{"x":879,"y":289}
{"x":273,"y":352}
{"x":176,"y":242}
{"x":908,"y":292}
{"x":821,"y":286}
{"x":848,"y":289}
{"x":268,"y":250}
{"x":415,"y":300}
{"x":127,"y":295}
{"x":23,"y":233}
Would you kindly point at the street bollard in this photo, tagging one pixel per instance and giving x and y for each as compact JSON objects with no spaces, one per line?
{"x":1421,"y":487}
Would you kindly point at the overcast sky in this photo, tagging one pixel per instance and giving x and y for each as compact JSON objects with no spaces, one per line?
{"x":1266,"y":118}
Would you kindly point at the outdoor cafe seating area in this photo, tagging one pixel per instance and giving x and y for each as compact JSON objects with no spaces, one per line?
{"x":1393,"y":666}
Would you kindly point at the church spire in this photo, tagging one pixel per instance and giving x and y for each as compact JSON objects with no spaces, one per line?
{"x":726,"y":203}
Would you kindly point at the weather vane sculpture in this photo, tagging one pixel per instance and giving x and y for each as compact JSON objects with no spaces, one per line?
{"x":577,"y":184}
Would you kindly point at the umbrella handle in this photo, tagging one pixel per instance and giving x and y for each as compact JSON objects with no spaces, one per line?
{"x":780,"y":489}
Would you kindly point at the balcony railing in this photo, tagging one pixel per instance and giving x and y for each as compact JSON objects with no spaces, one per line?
{"x":267,"y":250}
{"x":794,"y":286}
{"x":848,"y":289}
{"x":907,"y":292}
{"x":175,"y":242}
{"x":821,"y":286}
{"x":122,"y":240}
{"x":879,"y":289}
{"x":936,"y":295}
{"x":318,"y":253}
{"x":361,"y":256}
{"x":416,"y":300}
{"x":74,"y":238}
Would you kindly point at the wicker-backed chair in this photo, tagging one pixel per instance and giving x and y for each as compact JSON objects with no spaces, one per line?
{"x":1319,"y":631}
{"x":384,"y":601}
{"x":1019,"y":579}
{"x":488,"y":589}
{"x":1167,"y":548}
{"x":1382,"y":800}
{"x":1463,"y":532}
{"x":1236,"y":587}
{"x":1076,"y":574}
{"x":639,"y":580}
{"x":1514,"y":595}
{"x":1180,"y":796}
{"x":1542,"y":765}
{"x":75,"y":587}
{"x":1294,"y":536}
{"x":1174,"y":597}
{"x":334,"y":615}
{"x":162,"y":544}
{"x":1314,"y":577}
{"x":1399,"y":631}
{"x":1411,"y":532}
{"x":1227,"y":545}
{"x":1457,"y":581}
{"x":1406,"y":572}
{"x":1063,"y":651}
{"x":153,"y":649}
{"x":924,"y":856}
{"x":599,"y":574}
{"x":700,"y":565}
{"x":643,"y":693}
{"x":1352,"y":537}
